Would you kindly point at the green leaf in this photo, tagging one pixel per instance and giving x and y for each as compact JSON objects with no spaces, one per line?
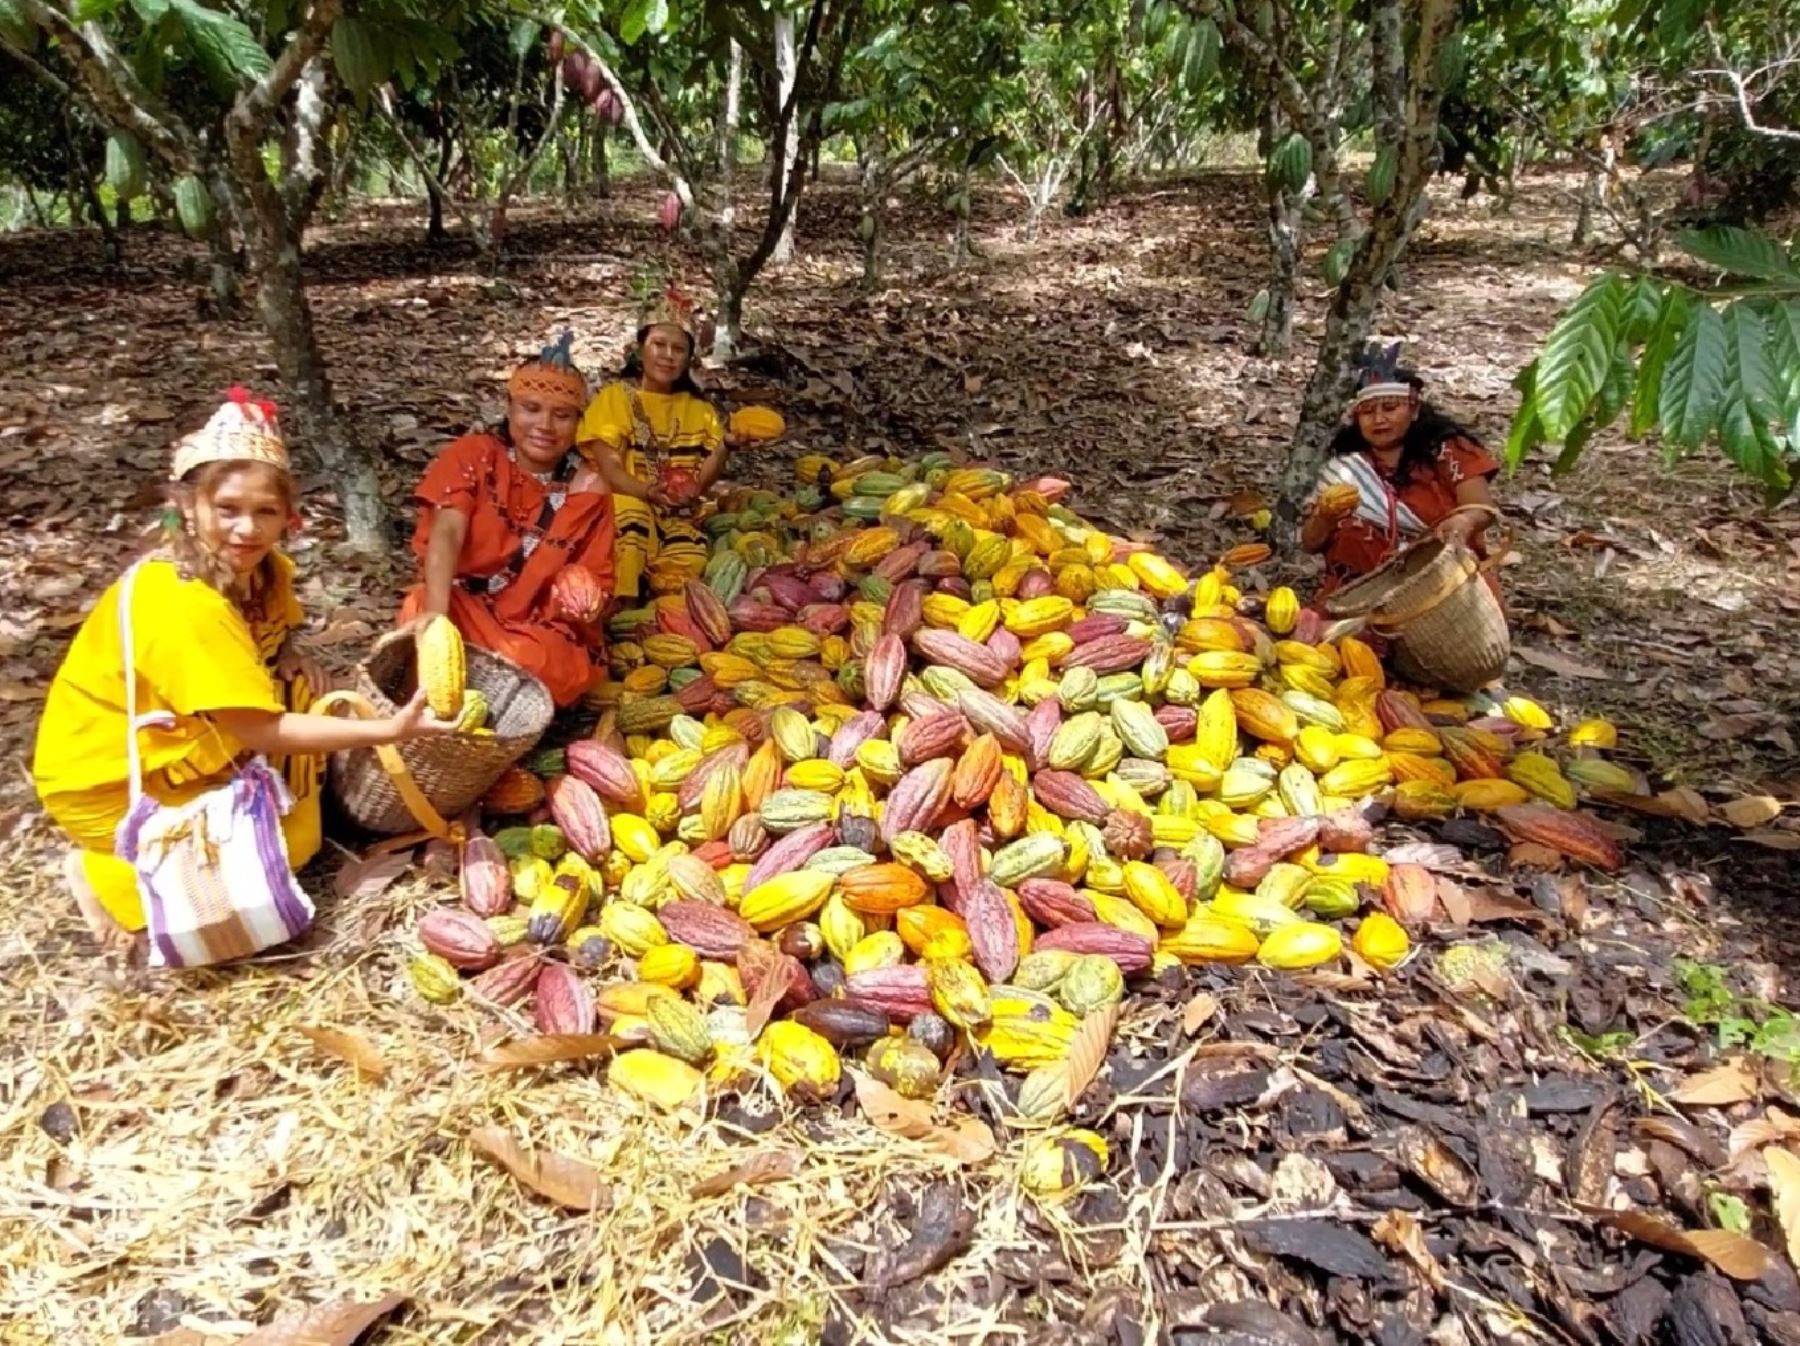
{"x":1748,"y":406}
{"x":1527,"y":431}
{"x":1576,"y":356}
{"x":229,"y":51}
{"x":86,"y":11}
{"x":150,"y":11}
{"x":1646,"y":403}
{"x":1740,"y":252}
{"x":1784,"y":353}
{"x":523,"y":37}
{"x":643,"y":16}
{"x":1693,"y":385}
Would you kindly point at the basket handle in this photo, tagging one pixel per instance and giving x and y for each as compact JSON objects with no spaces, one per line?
{"x":1496,"y":553}
{"x":395,"y":765}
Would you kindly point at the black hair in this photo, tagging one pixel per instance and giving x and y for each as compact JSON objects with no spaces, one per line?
{"x":633,"y":368}
{"x":1425,"y":437}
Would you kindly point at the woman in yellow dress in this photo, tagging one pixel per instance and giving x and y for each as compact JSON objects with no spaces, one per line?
{"x":659,"y":445}
{"x":219,"y":675}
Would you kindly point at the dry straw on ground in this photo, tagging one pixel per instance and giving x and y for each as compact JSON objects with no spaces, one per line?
{"x":191,"y":1152}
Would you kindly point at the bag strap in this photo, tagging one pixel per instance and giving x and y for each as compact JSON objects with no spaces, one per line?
{"x":134,"y":778}
{"x":389,"y":756}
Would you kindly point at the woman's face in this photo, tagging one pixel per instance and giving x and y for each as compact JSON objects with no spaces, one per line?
{"x":664,"y":353}
{"x":542,"y":430}
{"x":1384,"y":421}
{"x":242,"y":519}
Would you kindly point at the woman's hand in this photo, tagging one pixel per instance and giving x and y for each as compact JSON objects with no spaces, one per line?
{"x":415,"y":720}
{"x":1462,"y":527}
{"x":294,"y":663}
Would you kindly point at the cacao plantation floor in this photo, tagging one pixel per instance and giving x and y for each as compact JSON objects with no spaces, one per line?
{"x":1295,"y":1159}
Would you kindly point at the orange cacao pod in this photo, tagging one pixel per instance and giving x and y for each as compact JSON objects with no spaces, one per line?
{"x":516,"y":791}
{"x":1567,"y":832}
{"x":880,"y":889}
{"x":1246,"y":554}
{"x":578,"y":593}
{"x":977,"y":772}
{"x":1410,"y":894}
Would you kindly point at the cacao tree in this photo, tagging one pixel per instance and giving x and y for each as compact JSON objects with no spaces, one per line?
{"x":213,"y":102}
{"x":927,"y":83}
{"x":666,"y":66}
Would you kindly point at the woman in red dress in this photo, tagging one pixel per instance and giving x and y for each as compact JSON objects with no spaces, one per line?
{"x":1411,"y":468}
{"x":508,"y":520}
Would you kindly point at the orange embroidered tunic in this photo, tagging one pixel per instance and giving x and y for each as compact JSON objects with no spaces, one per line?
{"x":521,"y":532}
{"x":1357,"y":546}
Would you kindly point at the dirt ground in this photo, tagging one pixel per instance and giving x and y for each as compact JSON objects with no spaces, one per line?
{"x":182,"y":1159}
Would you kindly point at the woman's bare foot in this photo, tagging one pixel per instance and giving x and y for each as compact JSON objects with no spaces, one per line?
{"x":113,"y":938}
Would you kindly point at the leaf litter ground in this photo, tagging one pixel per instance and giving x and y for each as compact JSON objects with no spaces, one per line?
{"x":1554,"y":1151}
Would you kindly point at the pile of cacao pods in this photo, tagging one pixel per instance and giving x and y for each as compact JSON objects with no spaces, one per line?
{"x":923,"y":763}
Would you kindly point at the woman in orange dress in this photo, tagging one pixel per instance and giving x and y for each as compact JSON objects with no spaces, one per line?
{"x":515,"y":534}
{"x":1411,"y":468}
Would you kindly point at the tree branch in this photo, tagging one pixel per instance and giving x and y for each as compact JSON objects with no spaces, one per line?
{"x":114,"y":90}
{"x":1746,"y":111}
{"x":384,"y":99}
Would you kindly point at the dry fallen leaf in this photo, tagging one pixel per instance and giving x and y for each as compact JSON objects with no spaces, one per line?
{"x":1774,"y":839}
{"x":349,"y":1046}
{"x":1682,"y":804}
{"x":567,"y":1182}
{"x":967,"y":1139}
{"x":338,"y":1323}
{"x":1399,"y":1232}
{"x":370,"y":875}
{"x":1561,"y":663}
{"x":1720,"y":1087}
{"x":547,"y":1048}
{"x":1751,"y":811}
{"x":1087,"y":1051}
{"x":1741,"y":1258}
{"x":1774,"y":1127}
{"x":1198,"y":1010}
{"x":1784,"y":1186}
{"x":766,"y":1166}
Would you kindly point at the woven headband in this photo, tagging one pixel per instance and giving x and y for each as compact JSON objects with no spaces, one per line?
{"x":552,"y":377}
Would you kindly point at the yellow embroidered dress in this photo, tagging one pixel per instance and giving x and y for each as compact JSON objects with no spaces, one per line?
{"x":648,"y":431}
{"x":196,"y":651}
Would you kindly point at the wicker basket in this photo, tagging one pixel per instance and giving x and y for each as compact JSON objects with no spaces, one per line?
{"x":1445,"y":624}
{"x":452,"y":772}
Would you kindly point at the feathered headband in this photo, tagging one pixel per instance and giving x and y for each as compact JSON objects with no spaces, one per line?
{"x":1379,"y":374}
{"x":244,"y":429}
{"x":552,"y":377}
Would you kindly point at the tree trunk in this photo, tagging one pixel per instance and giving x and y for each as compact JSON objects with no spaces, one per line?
{"x":287,"y":318}
{"x":1592,"y":185}
{"x":1286,"y":230}
{"x":435,"y":233}
{"x":729,"y":285}
{"x":870,"y":224}
{"x":786,"y":72}
{"x":1352,"y":314}
{"x":964,"y":246}
{"x":602,"y":177}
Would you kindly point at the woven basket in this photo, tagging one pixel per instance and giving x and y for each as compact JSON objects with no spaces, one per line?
{"x":1445,"y":624}
{"x":452,"y":772}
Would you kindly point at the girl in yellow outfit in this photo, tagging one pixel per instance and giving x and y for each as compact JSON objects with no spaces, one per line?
{"x":659,"y":446}
{"x":218,"y":674}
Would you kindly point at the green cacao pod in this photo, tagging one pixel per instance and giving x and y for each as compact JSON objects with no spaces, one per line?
{"x":193,"y":206}
{"x":1290,"y":163}
{"x":125,"y":165}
